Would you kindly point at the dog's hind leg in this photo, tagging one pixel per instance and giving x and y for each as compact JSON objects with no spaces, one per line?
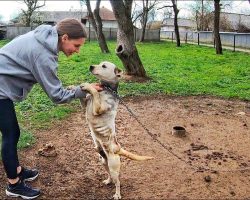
{"x":104,"y":162}
{"x":103,"y":159}
{"x":114,"y":164}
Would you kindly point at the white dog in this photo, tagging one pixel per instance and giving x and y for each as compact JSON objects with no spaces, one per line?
{"x":101,"y":109}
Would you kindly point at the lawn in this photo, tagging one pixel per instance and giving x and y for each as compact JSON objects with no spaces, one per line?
{"x":187,"y":70}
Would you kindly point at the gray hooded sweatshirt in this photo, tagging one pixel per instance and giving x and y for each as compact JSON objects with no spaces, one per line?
{"x":32,"y":58}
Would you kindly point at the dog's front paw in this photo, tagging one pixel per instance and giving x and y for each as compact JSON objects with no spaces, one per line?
{"x":71,"y":87}
{"x":117,"y":196}
{"x":85,"y":86}
{"x":107,"y":181}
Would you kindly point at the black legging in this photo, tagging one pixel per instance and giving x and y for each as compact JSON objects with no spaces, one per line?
{"x":10,"y":136}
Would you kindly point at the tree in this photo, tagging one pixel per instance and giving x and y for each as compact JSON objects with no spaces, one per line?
{"x":167,"y":13}
{"x":96,"y":22}
{"x":202,"y":11}
{"x":225,"y":24}
{"x":176,"y":27}
{"x":143,"y":13}
{"x":32,"y":5}
{"x":126,"y":49}
{"x":147,"y":7}
{"x":217,"y":27}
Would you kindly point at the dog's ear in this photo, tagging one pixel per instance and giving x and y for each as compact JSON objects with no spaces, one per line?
{"x":118,"y":72}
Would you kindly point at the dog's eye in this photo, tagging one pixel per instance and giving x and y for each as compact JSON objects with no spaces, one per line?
{"x":104,"y":66}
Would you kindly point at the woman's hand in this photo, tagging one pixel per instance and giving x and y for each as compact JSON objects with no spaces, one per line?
{"x":97,"y":86}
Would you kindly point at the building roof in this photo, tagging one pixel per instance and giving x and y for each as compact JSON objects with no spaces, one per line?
{"x":106,"y":14}
{"x":55,"y":16}
{"x":230,"y":13}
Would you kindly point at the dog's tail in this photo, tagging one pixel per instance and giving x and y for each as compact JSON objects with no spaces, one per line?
{"x":132,"y":156}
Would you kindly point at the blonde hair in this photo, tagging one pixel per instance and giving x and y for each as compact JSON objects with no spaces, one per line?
{"x":72,"y":27}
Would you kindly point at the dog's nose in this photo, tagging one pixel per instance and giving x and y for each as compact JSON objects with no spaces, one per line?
{"x":91,"y":68}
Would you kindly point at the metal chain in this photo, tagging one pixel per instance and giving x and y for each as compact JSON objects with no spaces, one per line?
{"x":168,"y":147}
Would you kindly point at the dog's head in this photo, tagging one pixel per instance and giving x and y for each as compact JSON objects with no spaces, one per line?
{"x":106,"y":71}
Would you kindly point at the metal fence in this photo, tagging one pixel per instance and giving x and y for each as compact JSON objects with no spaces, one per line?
{"x":12,"y":32}
{"x":229,"y":39}
{"x":109,"y":33}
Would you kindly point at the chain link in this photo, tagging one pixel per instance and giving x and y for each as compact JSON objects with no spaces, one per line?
{"x":168,"y":147}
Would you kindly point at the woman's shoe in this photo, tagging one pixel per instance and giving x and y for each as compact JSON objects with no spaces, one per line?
{"x":28,"y":174}
{"x":20,"y":189}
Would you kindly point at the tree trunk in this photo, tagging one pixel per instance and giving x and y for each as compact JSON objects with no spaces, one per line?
{"x":144,"y":20}
{"x":126,"y":49}
{"x":28,"y":21}
{"x":100,"y":36}
{"x":176,"y":27}
{"x":217,"y":27}
{"x":144,"y":24}
{"x":96,"y":23}
{"x":202,"y":15}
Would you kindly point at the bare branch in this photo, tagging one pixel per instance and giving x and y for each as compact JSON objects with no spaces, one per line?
{"x":32,"y":5}
{"x":164,"y":7}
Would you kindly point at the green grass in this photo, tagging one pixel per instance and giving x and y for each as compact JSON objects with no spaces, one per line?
{"x":26,"y":140}
{"x":188,"y":70}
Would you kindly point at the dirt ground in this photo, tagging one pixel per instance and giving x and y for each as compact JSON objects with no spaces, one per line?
{"x":218,"y":137}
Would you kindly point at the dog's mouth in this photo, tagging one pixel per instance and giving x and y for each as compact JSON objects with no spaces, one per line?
{"x":95,"y":74}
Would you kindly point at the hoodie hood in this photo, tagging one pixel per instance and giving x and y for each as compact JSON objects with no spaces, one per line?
{"x":48,"y":37}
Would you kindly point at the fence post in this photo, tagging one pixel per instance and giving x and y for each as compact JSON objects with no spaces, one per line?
{"x":234,"y":42}
{"x":198,"y":38}
{"x":172,"y":36}
{"x":89,"y":31}
{"x":186,"y":37}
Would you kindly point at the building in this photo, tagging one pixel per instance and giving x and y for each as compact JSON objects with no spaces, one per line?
{"x":52,"y":17}
{"x":107,"y":16}
{"x":236,"y":22}
{"x":184,"y":25}
{"x":153,"y":25}
{"x":109,"y":22}
{"x":3,"y":29}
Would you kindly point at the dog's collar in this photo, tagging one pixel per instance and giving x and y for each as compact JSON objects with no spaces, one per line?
{"x":110,"y":86}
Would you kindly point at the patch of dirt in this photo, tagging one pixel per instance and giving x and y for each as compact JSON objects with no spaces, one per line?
{"x":218,"y":137}
{"x":131,"y":78}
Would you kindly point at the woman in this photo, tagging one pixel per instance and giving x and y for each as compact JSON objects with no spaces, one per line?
{"x":28,"y":59}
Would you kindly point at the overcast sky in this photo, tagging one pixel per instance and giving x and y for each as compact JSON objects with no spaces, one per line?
{"x":8,"y":9}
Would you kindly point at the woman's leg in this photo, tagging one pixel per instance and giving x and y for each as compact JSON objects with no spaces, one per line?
{"x":10,"y":136}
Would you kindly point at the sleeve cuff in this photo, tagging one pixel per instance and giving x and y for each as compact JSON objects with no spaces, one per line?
{"x":79,"y":93}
